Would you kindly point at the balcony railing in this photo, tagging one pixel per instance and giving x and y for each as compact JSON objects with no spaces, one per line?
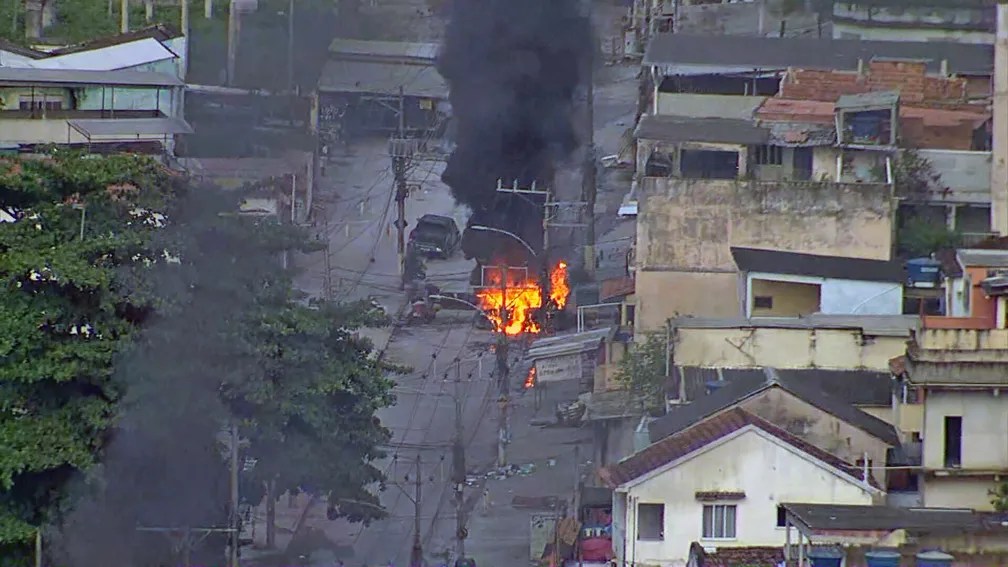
{"x":39,"y":114}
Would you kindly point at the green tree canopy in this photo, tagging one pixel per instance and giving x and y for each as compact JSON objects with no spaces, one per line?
{"x":134,"y":346}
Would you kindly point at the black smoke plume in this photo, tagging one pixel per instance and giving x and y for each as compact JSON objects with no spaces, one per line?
{"x":513,"y":68}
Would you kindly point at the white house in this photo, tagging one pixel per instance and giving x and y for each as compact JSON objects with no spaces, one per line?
{"x":774,"y":283}
{"x":722,"y":482}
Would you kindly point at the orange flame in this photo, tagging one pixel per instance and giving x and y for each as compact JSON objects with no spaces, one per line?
{"x":518,"y":298}
{"x":522,"y":299}
{"x":559,"y":287}
{"x":530,"y":378}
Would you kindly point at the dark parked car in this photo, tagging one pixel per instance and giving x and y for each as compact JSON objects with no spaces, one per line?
{"x":435,"y":235}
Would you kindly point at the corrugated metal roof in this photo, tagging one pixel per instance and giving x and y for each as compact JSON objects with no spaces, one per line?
{"x":382,"y":78}
{"x":124,"y":127}
{"x":677,"y":129}
{"x":111,"y":58}
{"x":159,"y":32}
{"x":67,"y":77}
{"x":568,"y":343}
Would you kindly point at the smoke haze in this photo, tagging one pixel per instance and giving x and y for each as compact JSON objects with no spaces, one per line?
{"x":512,"y":67}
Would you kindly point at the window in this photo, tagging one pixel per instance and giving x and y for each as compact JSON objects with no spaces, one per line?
{"x":719,"y":521}
{"x":769,"y":155}
{"x":953,"y":441}
{"x":27,"y":103}
{"x":781,"y":517}
{"x":650,"y":521}
{"x":763,"y":302}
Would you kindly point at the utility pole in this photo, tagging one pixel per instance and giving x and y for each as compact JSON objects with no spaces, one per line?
{"x":290,"y":47}
{"x":503,"y":380}
{"x":234,"y":524}
{"x":234,"y":29}
{"x":401,"y":152}
{"x":124,"y":16}
{"x":149,"y":10}
{"x":208,"y":9}
{"x":185,"y":33}
{"x":416,"y":555}
{"x":271,"y":514}
{"x":588,"y":177}
{"x":459,"y":467}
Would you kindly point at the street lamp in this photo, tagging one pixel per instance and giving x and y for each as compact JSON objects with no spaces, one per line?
{"x":504,"y":232}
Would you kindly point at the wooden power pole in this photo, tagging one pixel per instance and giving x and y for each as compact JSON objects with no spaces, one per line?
{"x":234,"y":31}
{"x":124,"y":16}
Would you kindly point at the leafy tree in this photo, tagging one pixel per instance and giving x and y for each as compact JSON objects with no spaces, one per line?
{"x":999,"y":497}
{"x":921,"y":237}
{"x":134,"y":346}
{"x":642,"y":369}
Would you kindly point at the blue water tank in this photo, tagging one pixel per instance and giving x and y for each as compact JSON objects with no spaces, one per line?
{"x":715,"y":385}
{"x":882,"y":559}
{"x":825,"y":557}
{"x":923,"y":272}
{"x":934,"y":559}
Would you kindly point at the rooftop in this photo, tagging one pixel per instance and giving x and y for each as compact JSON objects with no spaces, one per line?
{"x":159,"y":32}
{"x":121,"y":56}
{"x":872,"y":100}
{"x":829,"y":517}
{"x":976,"y":258}
{"x":676,"y":129}
{"x":822,"y":112}
{"x":858,"y":387}
{"x":382,"y":78}
{"x":401,"y":51}
{"x":704,"y":54}
{"x":815,"y":265}
{"x":750,"y":556}
{"x":873,"y":325}
{"x":734,"y":393}
{"x":568,"y":343}
{"x":10,"y":76}
{"x":703,"y":432}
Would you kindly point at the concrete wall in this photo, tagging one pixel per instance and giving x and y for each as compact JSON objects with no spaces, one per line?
{"x":789,"y":299}
{"x":984,"y":428}
{"x":904,"y":23}
{"x":819,"y":428}
{"x":908,"y":418}
{"x":802,"y":295}
{"x":840,"y":349}
{"x":767,"y":470}
{"x":966,"y":175}
{"x":707,"y":106}
{"x":685,"y":229}
{"x":49,"y":131}
{"x":91,"y":98}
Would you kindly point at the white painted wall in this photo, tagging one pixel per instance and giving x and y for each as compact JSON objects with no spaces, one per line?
{"x":842,"y":297}
{"x":769,"y":471}
{"x":984,"y":423}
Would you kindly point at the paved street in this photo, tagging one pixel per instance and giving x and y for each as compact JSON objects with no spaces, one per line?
{"x":355,"y":215}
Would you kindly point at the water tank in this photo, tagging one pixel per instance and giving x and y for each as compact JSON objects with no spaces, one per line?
{"x":882,"y":559}
{"x":923,"y":272}
{"x":825,"y":557}
{"x":934,"y":559}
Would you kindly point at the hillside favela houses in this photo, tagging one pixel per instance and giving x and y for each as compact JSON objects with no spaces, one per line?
{"x":833,"y":393}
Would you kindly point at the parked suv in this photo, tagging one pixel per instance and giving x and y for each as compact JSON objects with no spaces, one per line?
{"x":435,"y":236}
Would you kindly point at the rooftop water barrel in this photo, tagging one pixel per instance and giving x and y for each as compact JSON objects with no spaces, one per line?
{"x":882,"y":559}
{"x":923,"y":272}
{"x":715,"y":385}
{"x":825,"y":557}
{"x":934,"y":559}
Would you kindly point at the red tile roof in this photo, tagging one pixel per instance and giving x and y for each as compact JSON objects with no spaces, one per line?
{"x":704,"y":433}
{"x":616,"y":287}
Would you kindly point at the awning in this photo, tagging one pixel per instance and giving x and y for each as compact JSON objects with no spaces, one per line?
{"x":129,"y":128}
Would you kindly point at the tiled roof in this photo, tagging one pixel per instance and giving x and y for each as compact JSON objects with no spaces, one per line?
{"x":705,"y":432}
{"x":733,"y":393}
{"x":908,"y":77}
